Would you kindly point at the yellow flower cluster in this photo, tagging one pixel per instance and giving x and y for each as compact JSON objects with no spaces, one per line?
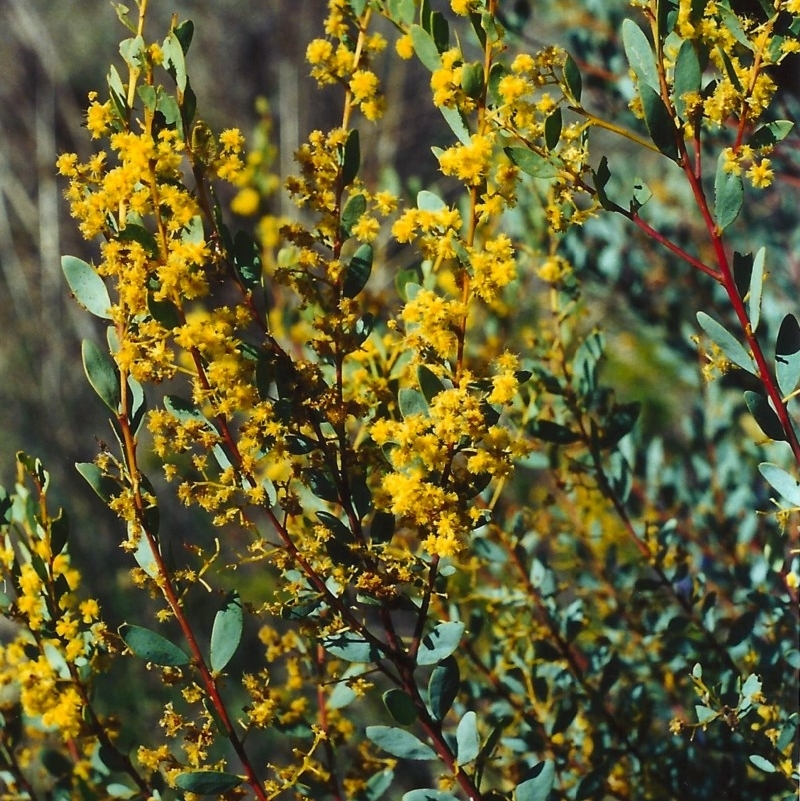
{"x":346,"y":61}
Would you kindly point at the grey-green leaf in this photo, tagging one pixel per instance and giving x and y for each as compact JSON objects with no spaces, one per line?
{"x":787,"y":355}
{"x":358,"y":271}
{"x":226,"y":633}
{"x":443,"y":687}
{"x":687,"y":76}
{"x":639,"y":53}
{"x":659,"y":124}
{"x":400,"y":743}
{"x":538,"y":787}
{"x":726,"y":342}
{"x":152,"y":647}
{"x":207,"y":782}
{"x":728,"y":194}
{"x":756,"y":288}
{"x":87,"y":286}
{"x":780,"y":480}
{"x":425,"y":48}
{"x":572,"y":78}
{"x":350,"y":647}
{"x":102,"y":374}
{"x":533,"y":163}
{"x":400,"y":706}
{"x":467,"y":739}
{"x":761,"y":763}
{"x":455,"y":118}
{"x":105,"y":487}
{"x":768,"y":421}
{"x":440,"y":643}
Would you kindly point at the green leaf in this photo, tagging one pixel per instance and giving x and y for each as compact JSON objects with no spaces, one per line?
{"x":428,"y":795}
{"x":87,"y":286}
{"x":659,"y":124}
{"x":174,"y":60}
{"x":601,"y":177}
{"x":548,"y":431}
{"x":726,"y":342}
{"x":132,"y":52}
{"x":226,"y":633}
{"x":59,"y":532}
{"x":687,"y":76}
{"x":425,"y":48}
{"x":552,"y":129}
{"x":427,"y":201}
{"x":440,"y":643}
{"x":411,"y":402}
{"x":440,"y":31}
{"x":787,"y":355}
{"x":639,"y":53}
{"x":184,"y":31}
{"x":539,"y":785}
{"x":102,"y":374}
{"x":351,"y":158}
{"x":401,"y":10}
{"x":770,"y":134}
{"x":399,"y":743}
{"x":756,"y":288}
{"x":429,"y":382}
{"x":152,"y":647}
{"x":105,"y":486}
{"x":533,"y":163}
{"x":467,"y":739}
{"x":472,"y":79}
{"x":247,"y":260}
{"x":400,"y":706}
{"x":357,"y":273}
{"x":353,"y":211}
{"x":164,"y":312}
{"x":572,"y":78}
{"x":761,"y":763}
{"x":351,"y":647}
{"x":788,"y":486}
{"x":207,"y":782}
{"x":768,"y":421}
{"x":728,"y":194}
{"x":443,"y":687}
{"x":322,"y":485}
{"x":455,"y":118}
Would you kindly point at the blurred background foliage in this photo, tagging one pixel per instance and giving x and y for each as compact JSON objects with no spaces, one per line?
{"x":693,"y":450}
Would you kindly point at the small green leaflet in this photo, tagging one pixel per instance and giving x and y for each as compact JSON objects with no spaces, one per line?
{"x":768,"y":421}
{"x":572,"y":78}
{"x":425,"y":48}
{"x":443,"y":687}
{"x":761,"y":763}
{"x":658,"y":121}
{"x":467,"y":740}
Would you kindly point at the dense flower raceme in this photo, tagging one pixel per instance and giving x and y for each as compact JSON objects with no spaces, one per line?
{"x":354,"y":435}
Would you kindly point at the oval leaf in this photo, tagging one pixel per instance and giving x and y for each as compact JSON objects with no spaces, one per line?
{"x":102,"y":374}
{"x":350,"y":647}
{"x":639,"y":53}
{"x":207,"y":782}
{"x":440,"y":643}
{"x":728,"y":194}
{"x":152,"y":647}
{"x":659,"y":124}
{"x":787,"y":355}
{"x":400,"y":706}
{"x":726,"y":342}
{"x":538,"y":787}
{"x":467,"y":739}
{"x":780,"y":480}
{"x":399,"y":743}
{"x":533,"y":163}
{"x":87,"y":286}
{"x":764,"y":415}
{"x":226,"y":633}
{"x":358,"y":271}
